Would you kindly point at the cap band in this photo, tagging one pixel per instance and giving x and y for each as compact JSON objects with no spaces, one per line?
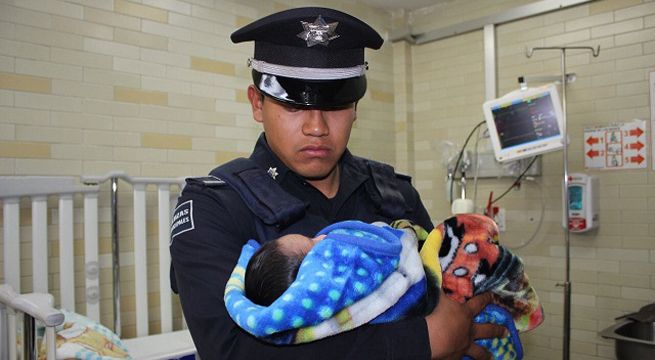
{"x":307,"y":73}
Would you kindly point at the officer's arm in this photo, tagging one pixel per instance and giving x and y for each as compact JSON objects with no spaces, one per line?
{"x":204,"y":255}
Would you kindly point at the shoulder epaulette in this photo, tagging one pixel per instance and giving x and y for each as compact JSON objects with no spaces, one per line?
{"x":210,"y":181}
{"x":264,"y":196}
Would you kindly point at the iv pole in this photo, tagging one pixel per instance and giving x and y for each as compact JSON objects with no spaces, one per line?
{"x":567,"y":283}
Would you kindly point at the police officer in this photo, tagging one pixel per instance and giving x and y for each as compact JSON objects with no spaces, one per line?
{"x":308,"y":73}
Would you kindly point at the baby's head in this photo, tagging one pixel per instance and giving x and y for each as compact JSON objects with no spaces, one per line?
{"x":274,"y":266}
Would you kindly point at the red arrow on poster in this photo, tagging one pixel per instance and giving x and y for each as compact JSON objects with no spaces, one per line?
{"x":637,"y":159}
{"x":636,"y":132}
{"x":593,"y":140}
{"x":637,"y":146}
{"x":592,"y":153}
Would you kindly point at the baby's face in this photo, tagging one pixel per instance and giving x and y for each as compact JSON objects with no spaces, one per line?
{"x":298,"y":244}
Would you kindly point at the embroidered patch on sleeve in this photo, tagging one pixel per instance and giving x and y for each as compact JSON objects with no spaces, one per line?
{"x":182,"y":219}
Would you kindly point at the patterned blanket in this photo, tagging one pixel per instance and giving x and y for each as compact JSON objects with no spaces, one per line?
{"x":363,"y":273}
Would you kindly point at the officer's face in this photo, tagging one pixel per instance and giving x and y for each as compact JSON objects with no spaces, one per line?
{"x":308,"y":141}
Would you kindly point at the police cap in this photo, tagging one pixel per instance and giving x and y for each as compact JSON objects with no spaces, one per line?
{"x":310,"y":56}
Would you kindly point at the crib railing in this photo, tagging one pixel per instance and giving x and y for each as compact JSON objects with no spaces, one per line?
{"x":33,"y":194}
{"x":34,"y":307}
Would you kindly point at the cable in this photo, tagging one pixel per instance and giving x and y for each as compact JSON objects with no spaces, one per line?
{"x":459,"y":157}
{"x":517,"y":181}
{"x":477,"y":164}
{"x":541,"y":218}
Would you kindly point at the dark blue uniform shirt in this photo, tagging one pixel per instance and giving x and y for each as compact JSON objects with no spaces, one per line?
{"x":214,"y":225}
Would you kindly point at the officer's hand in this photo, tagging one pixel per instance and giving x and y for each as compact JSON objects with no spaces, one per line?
{"x":452,"y":331}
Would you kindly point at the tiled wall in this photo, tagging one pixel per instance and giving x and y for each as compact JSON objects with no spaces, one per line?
{"x":612,"y":268}
{"x":152,"y":88}
{"x":155,"y":88}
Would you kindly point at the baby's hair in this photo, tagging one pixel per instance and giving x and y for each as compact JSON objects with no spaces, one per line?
{"x":270,"y":272}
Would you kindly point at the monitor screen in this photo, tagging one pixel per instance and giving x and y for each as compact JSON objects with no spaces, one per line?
{"x":525,"y":123}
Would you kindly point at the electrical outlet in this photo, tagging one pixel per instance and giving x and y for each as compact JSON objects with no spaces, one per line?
{"x":499,"y":218}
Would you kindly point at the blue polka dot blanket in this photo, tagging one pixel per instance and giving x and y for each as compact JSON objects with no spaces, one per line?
{"x":359,"y":273}
{"x":352,"y":276}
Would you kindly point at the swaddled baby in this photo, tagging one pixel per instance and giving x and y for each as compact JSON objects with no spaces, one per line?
{"x":354,"y":273}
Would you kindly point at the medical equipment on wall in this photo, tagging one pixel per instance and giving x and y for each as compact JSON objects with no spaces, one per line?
{"x":525,"y":123}
{"x":582,"y":203}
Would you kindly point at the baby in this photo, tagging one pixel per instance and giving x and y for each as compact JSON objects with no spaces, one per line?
{"x":274,"y":267}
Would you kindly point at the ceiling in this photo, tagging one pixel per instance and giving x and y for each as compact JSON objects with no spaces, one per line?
{"x":400,"y":4}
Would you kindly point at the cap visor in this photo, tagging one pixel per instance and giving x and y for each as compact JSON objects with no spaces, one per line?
{"x":311,"y":93}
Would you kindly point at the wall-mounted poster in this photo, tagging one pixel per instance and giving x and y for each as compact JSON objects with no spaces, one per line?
{"x":616,"y":147}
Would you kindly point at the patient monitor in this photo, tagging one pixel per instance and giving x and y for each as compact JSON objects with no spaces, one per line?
{"x":525,"y":123}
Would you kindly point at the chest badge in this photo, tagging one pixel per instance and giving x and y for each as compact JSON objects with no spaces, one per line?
{"x":272,"y":171}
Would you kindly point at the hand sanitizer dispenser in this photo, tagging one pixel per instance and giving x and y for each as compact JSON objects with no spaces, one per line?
{"x":583,"y":202}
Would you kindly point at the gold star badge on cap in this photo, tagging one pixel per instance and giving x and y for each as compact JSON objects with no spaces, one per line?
{"x":318,"y":32}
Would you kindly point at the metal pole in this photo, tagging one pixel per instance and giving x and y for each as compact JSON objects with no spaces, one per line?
{"x":29,"y":338}
{"x":566,"y":346}
{"x":567,"y":234}
{"x":116,"y":281}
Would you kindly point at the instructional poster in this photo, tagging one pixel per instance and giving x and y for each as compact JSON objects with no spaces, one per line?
{"x":616,"y":147}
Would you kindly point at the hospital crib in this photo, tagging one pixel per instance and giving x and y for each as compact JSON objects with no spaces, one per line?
{"x":73,"y":204}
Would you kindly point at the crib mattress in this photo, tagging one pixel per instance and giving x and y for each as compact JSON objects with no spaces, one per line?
{"x":172,"y":345}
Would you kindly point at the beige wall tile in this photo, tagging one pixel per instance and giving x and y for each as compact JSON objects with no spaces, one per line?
{"x":175,"y":6}
{"x":48,"y":134}
{"x":81,"y":27}
{"x":140,"y":96}
{"x":80,"y":89}
{"x":165,"y":113}
{"x":191,"y":102}
{"x":138,"y":67}
{"x":191,"y":156}
{"x":140,"y":39}
{"x":48,"y":69}
{"x":24,"y":50}
{"x":101,"y":107}
{"x":25,"y":83}
{"x":81,"y":152}
{"x":165,"y":57}
{"x":166,"y":30}
{"x":6,"y":64}
{"x":382,"y":96}
{"x":25,"y":116}
{"x":213,"y":66}
{"x":47,"y":102}
{"x":19,"y":15}
{"x":225,"y":156}
{"x":80,"y":120}
{"x":50,"y":167}
{"x":111,"y":77}
{"x":166,"y":141}
{"x":12,"y":149}
{"x":617,"y":28}
{"x":635,"y":37}
{"x":634,"y":11}
{"x":7,"y":132}
{"x":48,"y":37}
{"x":111,"y":48}
{"x":74,"y":57}
{"x":53,"y":7}
{"x":166,"y":85}
{"x":610,"y":5}
{"x":111,"y":18}
{"x":142,"y":11}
